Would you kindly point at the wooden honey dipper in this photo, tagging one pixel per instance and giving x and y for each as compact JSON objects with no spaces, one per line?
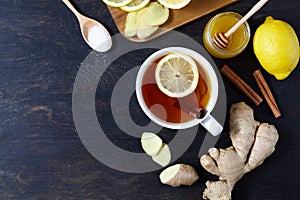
{"x":222,"y":40}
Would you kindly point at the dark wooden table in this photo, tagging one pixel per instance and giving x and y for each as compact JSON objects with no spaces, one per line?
{"x":41,"y":155}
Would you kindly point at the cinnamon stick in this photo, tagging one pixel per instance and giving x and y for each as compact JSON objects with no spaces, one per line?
{"x":265,"y":90}
{"x":242,"y":85}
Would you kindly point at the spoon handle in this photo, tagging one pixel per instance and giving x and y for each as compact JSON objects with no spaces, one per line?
{"x":72,"y":8}
{"x":245,"y":18}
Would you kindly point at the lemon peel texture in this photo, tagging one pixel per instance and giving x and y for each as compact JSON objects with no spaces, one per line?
{"x":276,"y":46}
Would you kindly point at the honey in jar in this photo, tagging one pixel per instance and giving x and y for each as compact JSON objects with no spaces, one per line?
{"x":221,"y":23}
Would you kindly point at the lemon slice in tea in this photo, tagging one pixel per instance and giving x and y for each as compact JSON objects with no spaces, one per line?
{"x":177,"y":75}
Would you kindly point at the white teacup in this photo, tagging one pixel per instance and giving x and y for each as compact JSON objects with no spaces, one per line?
{"x":207,"y":121}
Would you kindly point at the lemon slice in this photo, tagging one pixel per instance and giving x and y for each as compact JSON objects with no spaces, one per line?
{"x":174,"y":4}
{"x":177,"y":75}
{"x":117,"y":3}
{"x":135,"y":5}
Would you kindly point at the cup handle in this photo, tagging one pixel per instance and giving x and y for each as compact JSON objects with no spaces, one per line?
{"x":211,"y":124}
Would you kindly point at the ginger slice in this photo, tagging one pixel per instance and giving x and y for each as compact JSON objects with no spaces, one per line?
{"x":144,"y":31}
{"x":154,"y":147}
{"x":130,"y":25}
{"x":156,"y":14}
{"x":151,"y":143}
{"x":179,"y":174}
{"x":163,"y":157}
{"x":143,"y":23}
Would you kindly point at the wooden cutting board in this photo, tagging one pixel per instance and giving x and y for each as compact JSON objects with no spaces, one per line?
{"x":194,"y":10}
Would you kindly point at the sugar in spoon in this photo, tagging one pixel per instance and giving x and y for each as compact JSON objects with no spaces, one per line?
{"x":93,"y":32}
{"x":222,"y":40}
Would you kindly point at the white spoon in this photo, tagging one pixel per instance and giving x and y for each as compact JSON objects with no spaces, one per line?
{"x":94,"y":33}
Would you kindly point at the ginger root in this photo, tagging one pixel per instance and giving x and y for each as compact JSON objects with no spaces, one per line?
{"x":252,"y":143}
{"x":179,"y":174}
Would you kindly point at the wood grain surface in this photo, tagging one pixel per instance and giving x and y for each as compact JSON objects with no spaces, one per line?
{"x":41,"y":155}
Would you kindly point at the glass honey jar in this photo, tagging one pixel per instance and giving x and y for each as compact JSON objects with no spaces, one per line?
{"x":222,"y":23}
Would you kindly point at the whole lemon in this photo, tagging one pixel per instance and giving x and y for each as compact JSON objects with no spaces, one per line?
{"x":276,"y":46}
